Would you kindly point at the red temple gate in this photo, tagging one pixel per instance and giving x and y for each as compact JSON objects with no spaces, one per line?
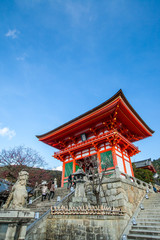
{"x":107,"y":130}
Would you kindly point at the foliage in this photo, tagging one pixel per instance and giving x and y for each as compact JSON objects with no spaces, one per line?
{"x":35,"y":175}
{"x":156,"y":165}
{"x":143,"y":174}
{"x":14,"y":160}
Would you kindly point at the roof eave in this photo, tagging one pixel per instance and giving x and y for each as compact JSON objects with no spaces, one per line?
{"x":114,"y":97}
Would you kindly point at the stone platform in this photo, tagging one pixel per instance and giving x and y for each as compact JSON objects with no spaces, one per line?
{"x":13,"y":223}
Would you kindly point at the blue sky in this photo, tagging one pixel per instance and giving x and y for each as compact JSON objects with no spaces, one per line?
{"x":60,"y":58}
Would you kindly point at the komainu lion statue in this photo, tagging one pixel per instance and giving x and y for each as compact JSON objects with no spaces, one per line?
{"x":18,"y":197}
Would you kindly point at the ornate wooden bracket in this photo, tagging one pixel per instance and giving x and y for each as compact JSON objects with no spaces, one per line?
{"x":63,"y":143}
{"x":72,"y":154}
{"x":93,"y":130}
{"x":95,"y":146}
{"x":73,"y":139}
{"x":59,"y":157}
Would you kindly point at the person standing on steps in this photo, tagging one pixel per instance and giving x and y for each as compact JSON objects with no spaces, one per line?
{"x":69,"y":182}
{"x":52,"y":190}
{"x":44,"y":192}
{"x":50,"y":183}
{"x":74,"y":181}
{"x":36,"y":188}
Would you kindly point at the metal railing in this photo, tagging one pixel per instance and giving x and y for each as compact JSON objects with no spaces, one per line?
{"x":48,"y":211}
{"x":34,"y":200}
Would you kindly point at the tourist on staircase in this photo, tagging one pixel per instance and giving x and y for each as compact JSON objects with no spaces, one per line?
{"x":36,"y":189}
{"x":155,"y":189}
{"x":69,"y":182}
{"x":44,"y":192}
{"x":52,"y":190}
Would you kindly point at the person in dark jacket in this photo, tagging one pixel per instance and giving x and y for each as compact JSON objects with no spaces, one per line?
{"x":69,"y":182}
{"x":51,"y":191}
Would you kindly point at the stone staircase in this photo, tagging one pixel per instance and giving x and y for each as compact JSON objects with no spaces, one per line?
{"x":37,"y":228}
{"x":42,"y":207}
{"x":148,"y":220}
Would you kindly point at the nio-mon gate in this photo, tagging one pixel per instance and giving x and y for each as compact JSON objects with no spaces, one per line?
{"x":107,"y":130}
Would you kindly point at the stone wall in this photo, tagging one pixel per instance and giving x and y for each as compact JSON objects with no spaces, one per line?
{"x":119,"y":191}
{"x":85,"y":227}
{"x":38,"y":231}
{"x":123,"y":192}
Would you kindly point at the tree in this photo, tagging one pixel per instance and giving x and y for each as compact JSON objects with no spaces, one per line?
{"x":156,"y":164}
{"x":143,"y":174}
{"x":18,"y":158}
{"x":91,"y":165}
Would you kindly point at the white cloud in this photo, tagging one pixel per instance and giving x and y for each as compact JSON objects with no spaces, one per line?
{"x":78,"y":11}
{"x":58,"y":168}
{"x":21,"y":58}
{"x":12,"y":33}
{"x":7,"y":132}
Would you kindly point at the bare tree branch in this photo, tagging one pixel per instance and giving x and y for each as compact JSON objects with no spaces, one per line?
{"x":91,"y":167}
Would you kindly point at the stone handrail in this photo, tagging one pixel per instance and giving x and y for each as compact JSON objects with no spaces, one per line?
{"x":34,"y":200}
{"x":137,"y":181}
{"x":124,"y":176}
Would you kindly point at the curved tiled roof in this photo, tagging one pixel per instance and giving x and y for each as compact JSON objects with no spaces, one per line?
{"x":119,"y":94}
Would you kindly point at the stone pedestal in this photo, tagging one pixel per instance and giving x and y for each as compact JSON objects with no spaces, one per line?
{"x":16,"y":223}
{"x":78,"y":202}
{"x":11,"y":231}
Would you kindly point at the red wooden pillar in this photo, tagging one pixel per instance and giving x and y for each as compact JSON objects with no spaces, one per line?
{"x":99,"y":161}
{"x":74,"y":165}
{"x":114,"y":156}
{"x":63,"y":172}
{"x":124,"y":165}
{"x":131,"y":166}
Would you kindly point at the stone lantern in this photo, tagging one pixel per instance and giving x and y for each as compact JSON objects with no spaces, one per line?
{"x":79,"y":198}
{"x":79,"y":180}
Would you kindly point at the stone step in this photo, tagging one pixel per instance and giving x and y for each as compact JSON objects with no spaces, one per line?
{"x":143,"y":237}
{"x":146,"y":227}
{"x":145,"y":232}
{"x":150,"y":210}
{"x":140,"y":219}
{"x":151,"y":204}
{"x":146,"y":223}
{"x":46,"y":202}
{"x":153,"y":207}
{"x":146,"y":215}
{"x":154,"y":196}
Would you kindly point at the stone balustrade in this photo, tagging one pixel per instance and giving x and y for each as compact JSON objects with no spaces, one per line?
{"x":138,"y":182}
